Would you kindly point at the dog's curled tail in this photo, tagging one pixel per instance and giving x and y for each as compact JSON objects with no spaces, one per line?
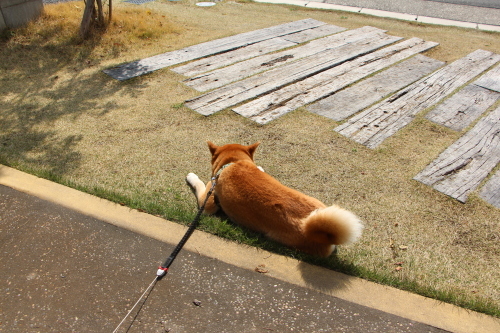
{"x":333,"y":225}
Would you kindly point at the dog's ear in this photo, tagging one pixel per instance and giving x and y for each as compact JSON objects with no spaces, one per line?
{"x":212,"y":147}
{"x":252,"y":148}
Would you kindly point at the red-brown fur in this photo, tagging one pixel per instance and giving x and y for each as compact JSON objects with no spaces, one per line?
{"x":254,"y":199}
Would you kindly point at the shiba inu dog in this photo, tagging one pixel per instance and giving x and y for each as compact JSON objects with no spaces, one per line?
{"x":254,"y":199}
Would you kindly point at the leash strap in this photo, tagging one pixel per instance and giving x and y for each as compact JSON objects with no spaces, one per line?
{"x":146,"y":293}
{"x":162,"y":270}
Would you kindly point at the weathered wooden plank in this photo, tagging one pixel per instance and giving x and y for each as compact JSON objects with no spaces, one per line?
{"x":309,"y":34}
{"x":279,"y":102}
{"x":372,"y":126}
{"x":253,"y":50}
{"x":151,"y":64}
{"x":347,"y":102}
{"x":256,"y":85}
{"x":241,"y":70}
{"x":463,"y":166}
{"x":490,"y":80}
{"x":491,"y":191}
{"x":227,"y":58}
{"x":461,"y":109}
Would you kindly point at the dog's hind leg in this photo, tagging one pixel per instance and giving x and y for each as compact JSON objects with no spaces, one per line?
{"x":201,"y":191}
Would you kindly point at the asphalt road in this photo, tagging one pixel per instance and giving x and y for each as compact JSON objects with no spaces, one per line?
{"x":475,"y":3}
{"x":67,"y":272}
{"x":470,"y":12}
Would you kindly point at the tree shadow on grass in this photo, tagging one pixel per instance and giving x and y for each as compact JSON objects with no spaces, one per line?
{"x":41,"y":84}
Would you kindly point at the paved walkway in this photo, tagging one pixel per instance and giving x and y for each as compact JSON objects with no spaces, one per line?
{"x":67,"y":272}
{"x":425,"y":11}
{"x":72,"y":262}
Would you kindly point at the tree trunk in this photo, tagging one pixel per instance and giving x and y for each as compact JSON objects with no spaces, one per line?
{"x":100,"y":14}
{"x":88,"y":18}
{"x":94,"y":17}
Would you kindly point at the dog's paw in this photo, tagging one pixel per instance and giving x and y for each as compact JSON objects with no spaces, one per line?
{"x":192,"y":179}
{"x":260,"y":168}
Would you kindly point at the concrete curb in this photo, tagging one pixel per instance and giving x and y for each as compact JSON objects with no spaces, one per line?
{"x":356,"y":290}
{"x":386,"y":14}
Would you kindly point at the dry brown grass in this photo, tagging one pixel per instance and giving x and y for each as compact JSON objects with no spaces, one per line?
{"x":59,"y":23}
{"x":61,"y":116}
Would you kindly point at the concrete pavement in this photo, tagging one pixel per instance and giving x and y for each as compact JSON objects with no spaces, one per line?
{"x":72,"y":262}
{"x":423,"y":11}
{"x":432,"y":9}
{"x":67,"y":272}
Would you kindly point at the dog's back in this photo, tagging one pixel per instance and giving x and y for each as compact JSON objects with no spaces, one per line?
{"x":256,"y":200}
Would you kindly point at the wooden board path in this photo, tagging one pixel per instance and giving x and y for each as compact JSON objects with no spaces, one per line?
{"x":310,"y":34}
{"x":490,"y":80}
{"x":253,"y":50}
{"x":372,"y":126}
{"x":282,"y":101}
{"x":148,"y":65}
{"x":491,"y":191}
{"x":465,"y":164}
{"x":290,"y":65}
{"x":460,"y":110}
{"x":350,"y":101}
{"x":227,"y":58}
{"x":265,"y":82}
{"x":243,"y":69}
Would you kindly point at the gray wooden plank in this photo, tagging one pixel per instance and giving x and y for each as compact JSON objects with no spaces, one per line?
{"x":491,"y":190}
{"x":148,"y":65}
{"x":347,"y":102}
{"x":241,"y":70}
{"x":279,"y":102}
{"x":253,"y":50}
{"x":372,"y":126}
{"x":490,"y":80}
{"x":309,"y":34}
{"x":256,"y":85}
{"x":465,"y":164}
{"x":227,"y":58}
{"x":461,"y":109}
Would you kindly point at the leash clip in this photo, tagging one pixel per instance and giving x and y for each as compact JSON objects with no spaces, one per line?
{"x":161,"y":271}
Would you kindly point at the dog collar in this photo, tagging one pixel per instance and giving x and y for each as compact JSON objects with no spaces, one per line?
{"x":220,"y":170}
